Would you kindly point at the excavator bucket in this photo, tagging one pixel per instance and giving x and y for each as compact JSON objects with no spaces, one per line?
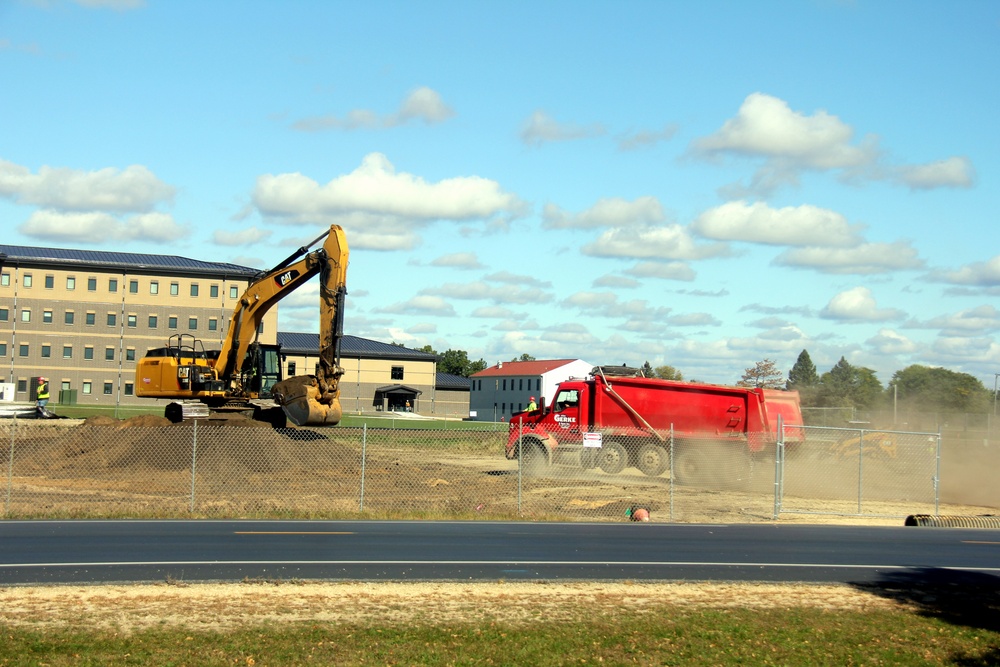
{"x":302,"y":400}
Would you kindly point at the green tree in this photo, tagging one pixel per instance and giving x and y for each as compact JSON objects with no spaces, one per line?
{"x":848,"y":386}
{"x":647,"y":370}
{"x":524,"y":357}
{"x":669,"y":373}
{"x":926,"y":389}
{"x":762,"y":374}
{"x":477,"y":366}
{"x":803,"y":373}
{"x":455,"y":362}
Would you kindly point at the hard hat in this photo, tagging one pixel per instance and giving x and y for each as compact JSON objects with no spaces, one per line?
{"x":41,"y":379}
{"x":532,"y":398}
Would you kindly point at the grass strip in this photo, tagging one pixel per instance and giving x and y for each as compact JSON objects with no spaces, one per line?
{"x":657,"y":635}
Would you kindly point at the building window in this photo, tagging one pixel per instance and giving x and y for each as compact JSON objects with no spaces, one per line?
{"x":86,"y":387}
{"x":4,"y":280}
{"x":520,"y":384}
{"x":22,"y":386}
{"x":69,"y":317}
{"x":67,"y":351}
{"x":130,"y":354}
{"x":505,"y":385}
{"x":234,"y":292}
{"x":133,"y":321}
{"x":192,"y":323}
{"x":112,"y":285}
{"x":27,"y":280}
{"x":213,"y":324}
{"x":213,"y":291}
{"x":3,"y":349}
{"x":70,"y":282}
{"x":172,"y":322}
{"x":152,"y":321}
{"x":91,"y":284}
{"x":112,"y":318}
{"x":397,"y":373}
{"x":128,"y":388}
{"x":47,"y":316}
{"x":175,"y":289}
{"x":25,"y":315}
{"x":109,"y":388}
{"x":133,"y":287}
{"x":154,"y":287}
{"x":4,"y":314}
{"x":50,"y":282}
{"x":88,"y":353}
{"x":109,"y":354}
{"x":91,"y":319}
{"x":194,"y":289}
{"x":291,"y":368}
{"x":46,"y":351}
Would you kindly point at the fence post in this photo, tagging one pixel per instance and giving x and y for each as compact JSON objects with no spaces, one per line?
{"x":520,"y":466}
{"x":861,"y":466}
{"x":364,"y":458}
{"x":671,"y":471}
{"x":779,"y":468}
{"x":937,"y":478}
{"x":194,"y":457}
{"x":10,"y":465}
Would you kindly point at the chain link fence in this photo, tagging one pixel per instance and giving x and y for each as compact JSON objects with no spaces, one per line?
{"x":237,"y":468}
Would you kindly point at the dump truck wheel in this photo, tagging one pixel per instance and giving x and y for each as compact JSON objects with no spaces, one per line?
{"x":692,"y":466}
{"x":534,"y":460}
{"x":652,"y":459}
{"x":612,"y":458}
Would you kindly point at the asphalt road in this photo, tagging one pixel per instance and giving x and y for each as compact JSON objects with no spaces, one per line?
{"x":36,"y":552}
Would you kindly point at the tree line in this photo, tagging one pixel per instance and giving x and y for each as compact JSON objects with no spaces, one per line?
{"x":916,"y":387}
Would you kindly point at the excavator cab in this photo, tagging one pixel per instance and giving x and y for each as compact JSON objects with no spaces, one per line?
{"x":261,"y":369}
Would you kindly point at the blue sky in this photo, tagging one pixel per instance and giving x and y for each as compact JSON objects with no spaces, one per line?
{"x":699,"y":184}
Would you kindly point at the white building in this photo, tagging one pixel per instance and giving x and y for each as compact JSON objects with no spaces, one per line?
{"x":505,"y":389}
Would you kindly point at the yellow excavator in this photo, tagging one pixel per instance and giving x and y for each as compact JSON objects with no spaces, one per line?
{"x":245,"y":375}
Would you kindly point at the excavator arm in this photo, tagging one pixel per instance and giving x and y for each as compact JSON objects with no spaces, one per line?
{"x":306,"y":399}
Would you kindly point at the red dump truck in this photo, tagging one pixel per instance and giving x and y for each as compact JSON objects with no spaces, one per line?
{"x":615,"y":418}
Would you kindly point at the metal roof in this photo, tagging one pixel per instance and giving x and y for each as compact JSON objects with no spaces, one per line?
{"x":350,"y":346}
{"x":126,"y":261}
{"x":449,"y":381}
{"x":508,"y":368}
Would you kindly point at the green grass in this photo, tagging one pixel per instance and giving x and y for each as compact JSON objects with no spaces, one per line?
{"x":664,"y":635}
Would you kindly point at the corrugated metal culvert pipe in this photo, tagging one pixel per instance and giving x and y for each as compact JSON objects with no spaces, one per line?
{"x":977,"y":521}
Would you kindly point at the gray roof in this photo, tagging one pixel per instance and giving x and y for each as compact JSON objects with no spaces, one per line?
{"x":129,"y":261}
{"x":350,"y":346}
{"x":449,"y":381}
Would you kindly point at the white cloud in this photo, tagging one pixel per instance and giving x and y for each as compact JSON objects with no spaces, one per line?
{"x":540,"y":128}
{"x":766,"y":126}
{"x":421,"y":305}
{"x":890,"y":342}
{"x":133,"y":189}
{"x":423,"y":104}
{"x":615,"y":282}
{"x":858,"y":305}
{"x":612,"y":212}
{"x":803,"y":225}
{"x":380,"y":206}
{"x":978,"y":274}
{"x":866,"y":259}
{"x":480,"y":290}
{"x":251,"y":236}
{"x":954,"y":172}
{"x":646,"y":138}
{"x":973,"y":321}
{"x":96,"y":227}
{"x":458,"y":260}
{"x":662,"y":270}
{"x":666,"y":242}
{"x":518,"y":279}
